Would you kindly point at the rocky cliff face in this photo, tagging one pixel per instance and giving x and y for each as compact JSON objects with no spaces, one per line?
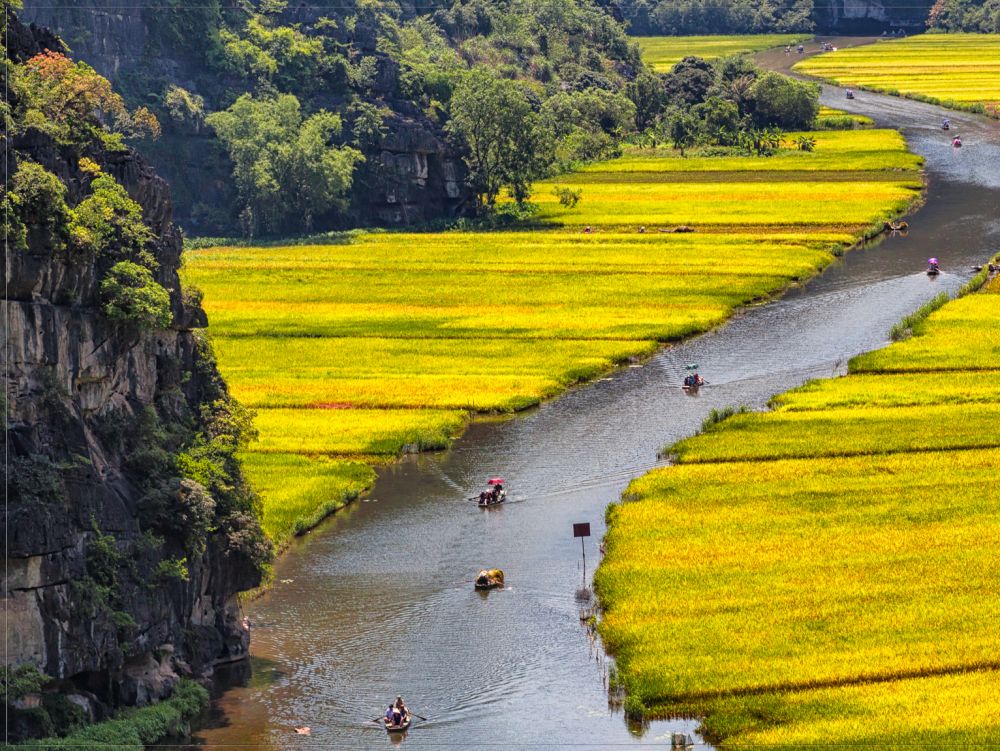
{"x":411,"y":178}
{"x":871,"y":16}
{"x":99,"y":523}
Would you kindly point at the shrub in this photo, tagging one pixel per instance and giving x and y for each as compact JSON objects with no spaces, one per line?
{"x":18,"y":682}
{"x":131,"y":295}
{"x":779,"y":100}
{"x":806,"y":143}
{"x":108,"y":221}
{"x":41,"y":198}
{"x":132,"y":729}
{"x":567,"y":196}
{"x":171,"y":569}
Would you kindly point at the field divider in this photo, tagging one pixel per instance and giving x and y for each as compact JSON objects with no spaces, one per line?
{"x":979,"y":666}
{"x":835,"y":454}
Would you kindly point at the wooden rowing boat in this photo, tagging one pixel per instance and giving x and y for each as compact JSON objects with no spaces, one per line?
{"x":490,"y":502}
{"x":402,"y":726}
{"x":489,"y":579}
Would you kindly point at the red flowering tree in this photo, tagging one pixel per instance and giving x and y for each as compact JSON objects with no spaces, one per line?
{"x":71,"y":100}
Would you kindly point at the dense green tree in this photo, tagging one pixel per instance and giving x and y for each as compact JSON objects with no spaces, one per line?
{"x":785,"y":102}
{"x":130,"y":295}
{"x":716,"y":16}
{"x":684,"y":129}
{"x":689,"y":81}
{"x":720,"y":120}
{"x":39,"y":201}
{"x":966,"y":15}
{"x":286,"y":168}
{"x":503,"y":140}
{"x":648,"y":96}
{"x":184,"y":108}
{"x":108,"y":221}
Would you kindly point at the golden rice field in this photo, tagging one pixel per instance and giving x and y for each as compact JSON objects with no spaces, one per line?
{"x":826,"y":572}
{"x":662,"y":53}
{"x":957,"y":70}
{"x":384,"y":342}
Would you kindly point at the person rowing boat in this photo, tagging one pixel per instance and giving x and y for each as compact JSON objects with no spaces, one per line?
{"x":397,"y":716}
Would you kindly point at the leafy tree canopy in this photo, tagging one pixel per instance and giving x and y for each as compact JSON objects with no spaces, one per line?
{"x":286,"y":167}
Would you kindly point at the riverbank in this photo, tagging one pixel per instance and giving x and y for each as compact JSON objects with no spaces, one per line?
{"x":887,"y":473}
{"x":386,"y":343}
{"x":957,"y":71}
{"x":136,"y":728}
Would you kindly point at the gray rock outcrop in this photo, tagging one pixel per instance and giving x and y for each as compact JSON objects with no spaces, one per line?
{"x":120,"y":577}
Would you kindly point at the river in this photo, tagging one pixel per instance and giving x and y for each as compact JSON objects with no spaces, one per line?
{"x":378,"y":600}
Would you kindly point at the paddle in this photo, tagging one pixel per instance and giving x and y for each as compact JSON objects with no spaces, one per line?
{"x":417,"y":715}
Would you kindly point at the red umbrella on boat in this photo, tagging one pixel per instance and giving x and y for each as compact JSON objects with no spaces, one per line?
{"x":932,"y":261}
{"x":495,"y":481}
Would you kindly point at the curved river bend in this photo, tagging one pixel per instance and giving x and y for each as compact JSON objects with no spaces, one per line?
{"x":378,"y":600}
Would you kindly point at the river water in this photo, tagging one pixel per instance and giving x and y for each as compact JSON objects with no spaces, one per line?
{"x":378,"y":600}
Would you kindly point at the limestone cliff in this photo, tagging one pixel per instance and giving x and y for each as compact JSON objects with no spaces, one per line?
{"x":871,"y":16}
{"x":122,"y":568}
{"x":412,"y":177}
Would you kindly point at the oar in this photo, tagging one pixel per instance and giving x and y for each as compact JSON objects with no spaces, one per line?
{"x":417,"y":715}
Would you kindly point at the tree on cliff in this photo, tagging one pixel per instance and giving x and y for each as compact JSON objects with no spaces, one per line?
{"x":286,"y":168}
{"x":502,"y":139}
{"x":966,"y":15}
{"x":72,"y":102}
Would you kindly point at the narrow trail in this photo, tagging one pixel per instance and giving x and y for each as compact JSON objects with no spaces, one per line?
{"x":377,"y":600}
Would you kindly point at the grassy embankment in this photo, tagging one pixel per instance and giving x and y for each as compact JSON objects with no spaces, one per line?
{"x":134,"y":728}
{"x":352,"y":353}
{"x":826,"y":572}
{"x":961,"y":71}
{"x":662,"y":53}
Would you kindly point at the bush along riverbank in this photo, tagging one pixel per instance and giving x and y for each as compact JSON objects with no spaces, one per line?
{"x":357,"y":351}
{"x":134,"y":729}
{"x":828,"y":572}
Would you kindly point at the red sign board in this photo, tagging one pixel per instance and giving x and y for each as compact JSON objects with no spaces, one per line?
{"x":581,"y":530}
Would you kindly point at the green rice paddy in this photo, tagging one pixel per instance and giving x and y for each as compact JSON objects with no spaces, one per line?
{"x":384,"y":342}
{"x":956,"y":70}
{"x":827,"y":572}
{"x":662,"y":53}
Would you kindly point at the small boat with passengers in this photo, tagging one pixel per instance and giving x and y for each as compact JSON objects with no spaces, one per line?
{"x":494,"y":495}
{"x":489,"y":579}
{"x":402,"y":726}
{"x":397,"y":717}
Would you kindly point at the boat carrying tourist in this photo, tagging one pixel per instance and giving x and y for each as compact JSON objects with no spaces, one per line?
{"x":489,"y":579}
{"x":494,"y":493}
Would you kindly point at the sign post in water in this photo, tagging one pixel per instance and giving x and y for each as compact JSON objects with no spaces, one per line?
{"x":582,"y":530}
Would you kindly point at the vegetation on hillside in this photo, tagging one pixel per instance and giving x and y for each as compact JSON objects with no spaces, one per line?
{"x":981,"y":16}
{"x":888,"y":472}
{"x":677,"y":17}
{"x":380,"y":343}
{"x":83,"y":253}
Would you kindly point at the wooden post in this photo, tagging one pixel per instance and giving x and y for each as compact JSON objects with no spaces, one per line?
{"x":582,"y":530}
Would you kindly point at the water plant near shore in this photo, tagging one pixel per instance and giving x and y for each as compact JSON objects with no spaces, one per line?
{"x":828,"y":566}
{"x":379,"y":343}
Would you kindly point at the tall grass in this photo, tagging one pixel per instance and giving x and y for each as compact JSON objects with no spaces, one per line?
{"x":825,"y":572}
